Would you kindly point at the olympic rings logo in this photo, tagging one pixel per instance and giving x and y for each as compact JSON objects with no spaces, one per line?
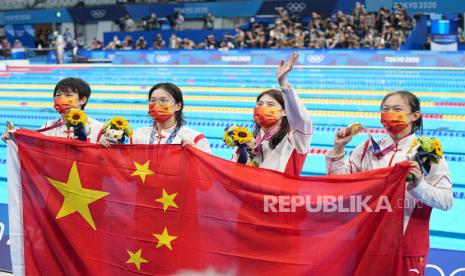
{"x":315,"y":58}
{"x":98,"y":13}
{"x":162,"y":58}
{"x":296,"y":7}
{"x":441,"y":272}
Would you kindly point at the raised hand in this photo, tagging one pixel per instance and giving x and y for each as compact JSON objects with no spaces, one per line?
{"x":343,"y":137}
{"x":284,"y":69}
{"x":105,"y":143}
{"x":6,"y":136}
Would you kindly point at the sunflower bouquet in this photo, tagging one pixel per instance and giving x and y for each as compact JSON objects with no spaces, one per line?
{"x":76,"y":121}
{"x":428,"y":151}
{"x":240,"y":137}
{"x":117,"y":129}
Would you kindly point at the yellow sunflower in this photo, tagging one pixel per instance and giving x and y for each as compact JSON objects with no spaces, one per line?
{"x":75,"y":116}
{"x":242,"y":135}
{"x":414,"y":143}
{"x":119,"y":122}
{"x":227,"y":137}
{"x":228,"y":140}
{"x":437,"y":147}
{"x":436,"y":143}
{"x":226,"y":134}
{"x":128,"y":130}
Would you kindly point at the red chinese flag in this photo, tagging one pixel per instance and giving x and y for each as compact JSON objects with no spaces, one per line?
{"x":130,"y":209}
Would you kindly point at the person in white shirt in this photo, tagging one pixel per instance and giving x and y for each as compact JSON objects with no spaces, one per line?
{"x":165,"y":107}
{"x":401,"y":117}
{"x":283,"y":128}
{"x":60,"y":44}
{"x":69,"y":93}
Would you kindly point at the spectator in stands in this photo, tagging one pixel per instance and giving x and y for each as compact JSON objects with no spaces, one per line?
{"x":17,"y":44}
{"x":177,"y":21}
{"x":96,"y":44}
{"x":175,"y":42}
{"x":250,"y":41}
{"x":40,"y":40}
{"x":114,"y":44}
{"x":388,"y":33}
{"x":68,"y":37}
{"x":368,"y":41}
{"x":127,"y":43}
{"x":353,"y":41}
{"x":374,"y":30}
{"x":284,"y":15}
{"x":398,"y":7}
{"x":210,"y":42}
{"x":141,"y":44}
{"x":117,"y":42}
{"x":359,"y":10}
{"x":223,"y":46}
{"x":59,"y":45}
{"x":76,"y":58}
{"x":461,"y":35}
{"x":299,"y":37}
{"x":209,"y":21}
{"x":230,"y":42}
{"x":428,"y":42}
{"x":261,"y":39}
{"x":380,"y":43}
{"x":397,"y":40}
{"x":5,"y":49}
{"x":75,"y":49}
{"x":188,"y":44}
{"x":50,"y":38}
{"x":127,"y":24}
{"x":151,"y":23}
{"x":158,"y":42}
{"x":81,"y":40}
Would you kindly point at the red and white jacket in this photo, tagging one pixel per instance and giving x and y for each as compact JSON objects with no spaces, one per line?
{"x":57,"y":128}
{"x":433,"y":191}
{"x":142,"y":136}
{"x":290,"y":154}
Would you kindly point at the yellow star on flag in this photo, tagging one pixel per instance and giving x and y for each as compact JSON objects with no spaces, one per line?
{"x":167,"y":200}
{"x":142,"y":170}
{"x":76,"y":198}
{"x":165,"y":239}
{"x":136,"y":258}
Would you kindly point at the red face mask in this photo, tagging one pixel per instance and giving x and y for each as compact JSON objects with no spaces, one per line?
{"x":160,"y":113}
{"x":266,"y":116}
{"x":62,"y":104}
{"x":394,"y":121}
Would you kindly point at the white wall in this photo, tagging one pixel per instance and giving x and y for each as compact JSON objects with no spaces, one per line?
{"x":230,"y":23}
{"x":96,"y":29}
{"x":193,"y":24}
{"x":90,"y":31}
{"x":103,"y":27}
